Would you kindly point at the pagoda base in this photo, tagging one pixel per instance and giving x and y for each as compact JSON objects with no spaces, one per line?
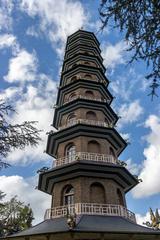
{"x":88,"y":227}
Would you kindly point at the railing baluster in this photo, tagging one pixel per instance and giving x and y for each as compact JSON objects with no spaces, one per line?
{"x":90,"y":208}
{"x":84,"y":97}
{"x":85,"y":121}
{"x":86,"y":156}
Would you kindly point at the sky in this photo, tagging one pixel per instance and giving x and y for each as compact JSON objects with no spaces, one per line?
{"x":33,"y":34}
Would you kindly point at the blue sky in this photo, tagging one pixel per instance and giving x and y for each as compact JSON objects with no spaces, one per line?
{"x":32,"y":41}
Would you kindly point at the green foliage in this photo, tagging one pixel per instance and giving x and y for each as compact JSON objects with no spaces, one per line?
{"x":140,"y":21}
{"x":16,"y":136}
{"x":14,"y":216}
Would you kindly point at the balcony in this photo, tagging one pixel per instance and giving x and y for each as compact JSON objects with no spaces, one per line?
{"x":87,"y":98}
{"x":86,"y":121}
{"x":86,"y":156}
{"x":90,"y":209}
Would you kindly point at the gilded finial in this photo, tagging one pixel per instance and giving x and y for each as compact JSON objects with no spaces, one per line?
{"x":155,"y":220}
{"x":71,"y":219}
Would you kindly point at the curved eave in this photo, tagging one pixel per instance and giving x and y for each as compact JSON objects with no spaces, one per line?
{"x":81,"y":67}
{"x":83,"y":83}
{"x":83,"y":33}
{"x":84,"y":103}
{"x":110,"y":134}
{"x":83,"y":41}
{"x":84,"y":37}
{"x":89,"y":227}
{"x":79,"y":56}
{"x":86,"y":169}
{"x":82,"y":47}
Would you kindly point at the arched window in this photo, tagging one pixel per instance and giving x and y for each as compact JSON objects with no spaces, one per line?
{"x":71,"y":118}
{"x":86,"y":53}
{"x":120,"y":197}
{"x":111,"y":152}
{"x":87,"y":63}
{"x":90,"y":115}
{"x":75,"y":64}
{"x":70,"y":152}
{"x":68,"y":195}
{"x":97,"y":193}
{"x":72,"y":96}
{"x":94,"y":64}
{"x":93,"y":147}
{"x":74,"y":78}
{"x":89,"y":94}
{"x":103,"y":99}
{"x":87,"y":76}
{"x":106,"y":121}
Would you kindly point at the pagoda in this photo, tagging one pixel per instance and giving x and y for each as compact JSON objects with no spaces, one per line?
{"x":87,"y":181}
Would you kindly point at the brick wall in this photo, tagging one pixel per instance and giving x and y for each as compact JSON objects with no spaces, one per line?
{"x":81,"y":114}
{"x":81,"y":144}
{"x":82,"y":187}
{"x":82,"y":91}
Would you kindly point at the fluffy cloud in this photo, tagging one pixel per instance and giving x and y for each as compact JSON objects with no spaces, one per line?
{"x":142,"y":218}
{"x":22,"y":67}
{"x":7,"y":40}
{"x":9,"y":93}
{"x":125,"y":85}
{"x":126,"y":136}
{"x":25,"y":191}
{"x":151,"y":165}
{"x":58,"y":19}
{"x":113,"y":54}
{"x":32,"y":103}
{"x":129,"y":113}
{"x":134,"y":168}
{"x":32,"y":31}
{"x":32,"y":100}
{"x":6,"y":7}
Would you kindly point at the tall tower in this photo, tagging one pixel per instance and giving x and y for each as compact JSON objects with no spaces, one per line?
{"x":87,"y":182}
{"x":86,"y":175}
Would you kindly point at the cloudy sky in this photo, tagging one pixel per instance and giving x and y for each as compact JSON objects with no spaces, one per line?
{"x":32,"y":41}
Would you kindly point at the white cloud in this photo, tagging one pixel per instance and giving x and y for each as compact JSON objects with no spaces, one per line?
{"x":25,"y":191}
{"x":143,"y":218}
{"x":32,"y":31}
{"x":7,"y":40}
{"x":32,"y":100}
{"x":129,"y":113}
{"x":22,"y":67}
{"x":9,"y":93}
{"x":33,"y":104}
{"x":58,"y":19}
{"x":124,"y":86}
{"x":114,"y":54}
{"x":6,"y":7}
{"x":126,"y":136}
{"x":134,"y":168}
{"x":151,"y":165}
{"x":96,"y":28}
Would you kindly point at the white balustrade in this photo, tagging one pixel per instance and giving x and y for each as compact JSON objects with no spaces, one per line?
{"x":86,"y":156}
{"x":85,"y":121}
{"x":90,"y":209}
{"x":85,"y":97}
